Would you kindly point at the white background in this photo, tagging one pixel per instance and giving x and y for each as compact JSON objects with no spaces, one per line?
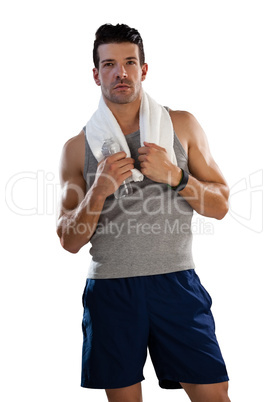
{"x":208,"y":57}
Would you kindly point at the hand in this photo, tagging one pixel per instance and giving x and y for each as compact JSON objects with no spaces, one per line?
{"x":156,"y":165}
{"x":112,"y":171}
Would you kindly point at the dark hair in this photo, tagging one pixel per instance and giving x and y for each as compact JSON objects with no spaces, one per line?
{"x":119,"y":33}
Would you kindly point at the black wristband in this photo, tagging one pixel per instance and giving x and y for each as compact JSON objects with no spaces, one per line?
{"x":183,"y":182}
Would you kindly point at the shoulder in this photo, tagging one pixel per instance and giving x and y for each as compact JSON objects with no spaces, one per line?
{"x":73,"y":154}
{"x":186,"y":127}
{"x":74,"y":144}
{"x":185,"y":121}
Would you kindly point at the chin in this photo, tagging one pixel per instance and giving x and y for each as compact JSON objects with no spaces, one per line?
{"x":122,"y":99}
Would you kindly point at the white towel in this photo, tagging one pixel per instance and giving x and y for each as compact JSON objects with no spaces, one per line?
{"x":155,"y":126}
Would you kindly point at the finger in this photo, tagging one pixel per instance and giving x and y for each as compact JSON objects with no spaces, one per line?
{"x":143,"y":165}
{"x":143,"y":150}
{"x":126,"y":168}
{"x":126,"y":175}
{"x":117,"y":156}
{"x":141,"y":158}
{"x":153,"y":145}
{"x":125,"y":161}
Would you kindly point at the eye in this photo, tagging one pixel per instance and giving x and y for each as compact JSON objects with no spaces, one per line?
{"x":131,"y":62}
{"x":108,"y":64}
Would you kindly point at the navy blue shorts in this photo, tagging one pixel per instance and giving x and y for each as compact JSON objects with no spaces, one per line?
{"x":167,"y":314}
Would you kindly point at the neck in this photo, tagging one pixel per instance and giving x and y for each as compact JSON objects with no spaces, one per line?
{"x":127,"y":115}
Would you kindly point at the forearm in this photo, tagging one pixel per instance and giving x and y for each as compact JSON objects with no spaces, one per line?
{"x":76,"y":227}
{"x":207,"y":198}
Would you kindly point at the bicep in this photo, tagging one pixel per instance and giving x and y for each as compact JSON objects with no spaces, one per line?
{"x":201,"y":163}
{"x":73,"y":185}
{"x":73,"y":192}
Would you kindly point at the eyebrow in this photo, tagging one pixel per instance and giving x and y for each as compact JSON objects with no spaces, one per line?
{"x":127,"y":58}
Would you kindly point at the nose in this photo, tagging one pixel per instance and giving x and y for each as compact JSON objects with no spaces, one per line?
{"x":121,"y":72}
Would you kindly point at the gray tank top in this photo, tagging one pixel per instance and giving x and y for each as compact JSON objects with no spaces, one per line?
{"x":147,"y":233}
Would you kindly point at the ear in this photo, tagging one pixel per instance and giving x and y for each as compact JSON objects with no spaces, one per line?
{"x":144,"y":71}
{"x":96,"y":76}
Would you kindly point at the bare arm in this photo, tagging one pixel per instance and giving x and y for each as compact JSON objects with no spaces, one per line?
{"x":207,"y":191}
{"x":80,"y":210}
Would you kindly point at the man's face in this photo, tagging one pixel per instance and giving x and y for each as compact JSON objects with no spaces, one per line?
{"x":120,"y":73}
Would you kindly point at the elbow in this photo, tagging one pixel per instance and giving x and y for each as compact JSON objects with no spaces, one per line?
{"x":69,"y":246}
{"x":222,"y":211}
{"x":66,"y":245}
{"x":70,"y":249}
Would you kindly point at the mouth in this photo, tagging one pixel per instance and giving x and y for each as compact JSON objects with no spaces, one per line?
{"x":122,"y":87}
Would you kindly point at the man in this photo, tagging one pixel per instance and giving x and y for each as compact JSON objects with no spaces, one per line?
{"x":142,"y":290}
